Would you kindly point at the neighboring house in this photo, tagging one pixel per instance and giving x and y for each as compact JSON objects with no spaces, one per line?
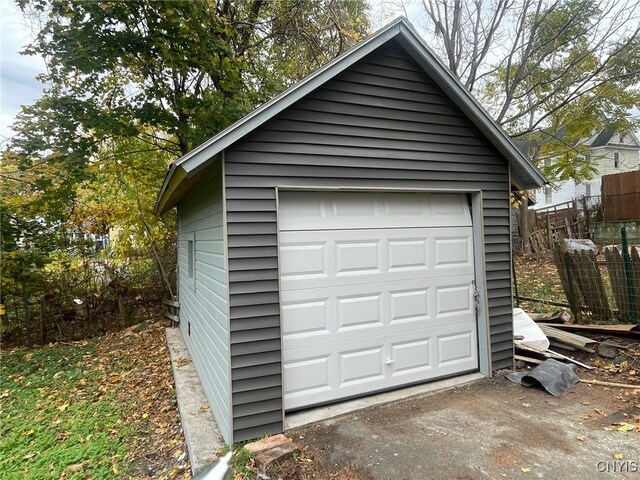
{"x":348,"y":237}
{"x":610,"y":152}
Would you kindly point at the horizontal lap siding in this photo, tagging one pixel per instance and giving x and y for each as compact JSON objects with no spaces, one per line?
{"x":204,"y":302}
{"x":382,"y":123}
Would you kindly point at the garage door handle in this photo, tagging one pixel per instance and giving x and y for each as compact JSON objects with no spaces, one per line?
{"x":389,"y":361}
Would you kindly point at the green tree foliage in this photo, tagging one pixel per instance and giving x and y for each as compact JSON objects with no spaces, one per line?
{"x":170,"y":74}
{"x":131,"y":85}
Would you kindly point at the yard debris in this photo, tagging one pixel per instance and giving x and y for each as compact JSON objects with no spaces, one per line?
{"x":524,"y":327}
{"x":580,"y":244}
{"x":561,"y":316}
{"x":568,"y":338}
{"x":555,"y":377}
{"x":607,"y":351}
{"x":620,"y":329}
{"x":522,"y":358}
{"x":610,"y":384}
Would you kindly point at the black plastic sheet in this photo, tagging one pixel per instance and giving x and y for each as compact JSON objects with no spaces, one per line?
{"x":554,"y":376}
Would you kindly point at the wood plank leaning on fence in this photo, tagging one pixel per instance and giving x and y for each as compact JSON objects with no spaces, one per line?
{"x":582,"y":282}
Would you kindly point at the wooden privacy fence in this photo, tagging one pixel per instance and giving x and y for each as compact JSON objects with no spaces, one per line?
{"x":592,"y":298}
{"x":621,"y":196}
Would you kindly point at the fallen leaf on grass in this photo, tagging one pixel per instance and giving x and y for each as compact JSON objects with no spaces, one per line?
{"x":525,"y":469}
{"x":77,"y":467}
{"x":29,"y":455}
{"x":63,"y":407}
{"x":586,"y":402}
{"x":115,"y":378}
{"x":145,"y":415}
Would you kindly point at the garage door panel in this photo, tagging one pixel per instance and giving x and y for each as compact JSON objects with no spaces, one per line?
{"x":308,"y":376}
{"x":362,"y":256}
{"x":304,"y":260}
{"x":357,"y":258}
{"x":360,"y":311}
{"x":455,"y":349}
{"x":450,"y":251}
{"x":306,"y":317}
{"x":332,"y":314}
{"x":360,"y":367}
{"x":453,"y":299}
{"x":344,"y":210}
{"x":376,"y":292}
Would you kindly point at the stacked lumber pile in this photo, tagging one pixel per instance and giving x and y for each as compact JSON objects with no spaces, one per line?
{"x":576,"y":340}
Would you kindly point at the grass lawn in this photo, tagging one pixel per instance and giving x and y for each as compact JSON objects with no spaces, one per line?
{"x":538,"y":279}
{"x":99,"y":409}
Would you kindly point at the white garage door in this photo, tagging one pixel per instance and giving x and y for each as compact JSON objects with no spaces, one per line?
{"x":377,"y":292}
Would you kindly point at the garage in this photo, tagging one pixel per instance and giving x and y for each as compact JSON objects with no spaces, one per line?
{"x":376,"y":292}
{"x":348,"y":237}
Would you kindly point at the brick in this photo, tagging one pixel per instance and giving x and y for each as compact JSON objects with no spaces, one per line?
{"x":267,"y":443}
{"x":275,"y":454}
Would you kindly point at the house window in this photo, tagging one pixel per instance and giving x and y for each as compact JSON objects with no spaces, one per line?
{"x":587,"y":189}
{"x":616,"y":159}
{"x":547,"y":195}
{"x":190,"y":258}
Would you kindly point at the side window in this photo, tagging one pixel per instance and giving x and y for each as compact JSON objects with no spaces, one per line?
{"x":616,"y":159}
{"x":191,"y":260}
{"x":587,"y":191}
{"x":547,"y":195}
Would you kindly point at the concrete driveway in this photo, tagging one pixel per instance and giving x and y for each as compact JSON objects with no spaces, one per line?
{"x":490,"y":429}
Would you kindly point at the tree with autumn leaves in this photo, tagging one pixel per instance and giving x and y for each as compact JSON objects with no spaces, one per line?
{"x":130,"y":86}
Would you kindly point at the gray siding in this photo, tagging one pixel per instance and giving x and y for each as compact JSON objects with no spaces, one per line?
{"x":204,"y":297}
{"x":381,"y":123}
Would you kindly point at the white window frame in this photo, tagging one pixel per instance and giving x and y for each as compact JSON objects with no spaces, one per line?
{"x":191,"y":260}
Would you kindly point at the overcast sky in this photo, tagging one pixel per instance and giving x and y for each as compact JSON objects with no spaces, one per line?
{"x":18,"y":85}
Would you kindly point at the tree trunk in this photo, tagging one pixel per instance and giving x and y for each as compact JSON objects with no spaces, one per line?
{"x":524,"y":224}
{"x":43,"y":329}
{"x":27,"y":317}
